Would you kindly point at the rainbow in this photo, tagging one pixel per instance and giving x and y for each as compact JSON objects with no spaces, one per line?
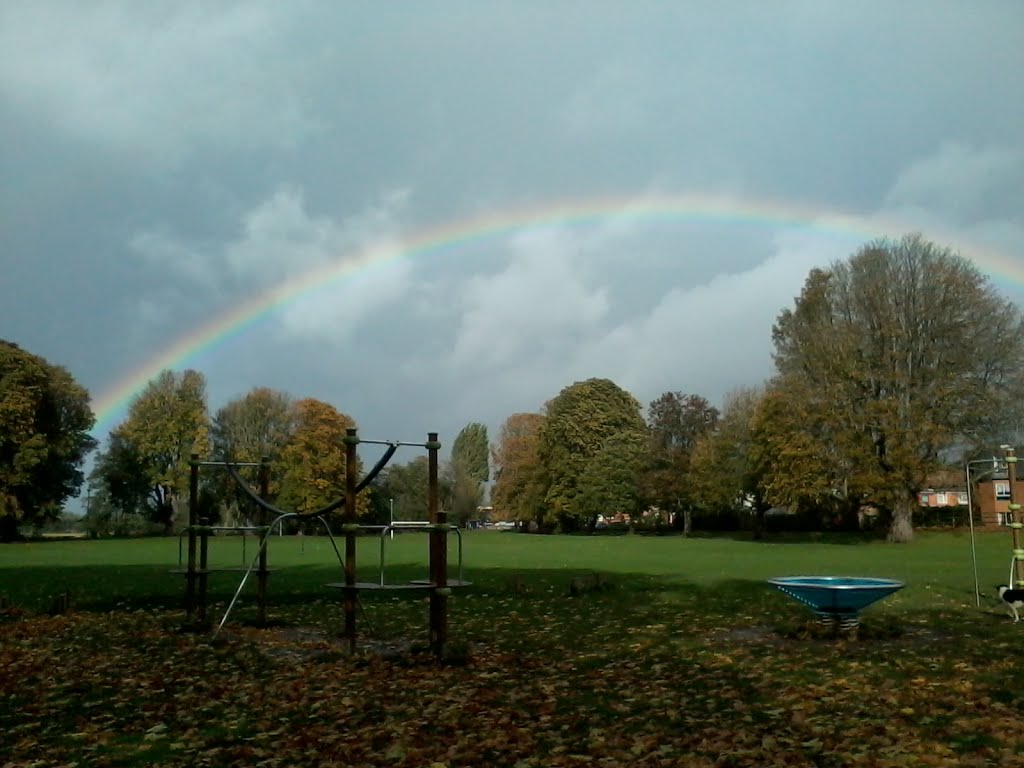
{"x":232,"y":322}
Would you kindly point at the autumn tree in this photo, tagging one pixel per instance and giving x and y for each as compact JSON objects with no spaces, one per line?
{"x":45,"y":420}
{"x":166,"y":423}
{"x":800,"y":465}
{"x":579,"y":420}
{"x":313,"y":462}
{"x":519,"y":484}
{"x":902,"y":351}
{"x":676,"y":422}
{"x":723,"y":472}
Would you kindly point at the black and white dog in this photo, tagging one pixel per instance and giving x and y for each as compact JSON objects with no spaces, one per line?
{"x":1014,"y":599}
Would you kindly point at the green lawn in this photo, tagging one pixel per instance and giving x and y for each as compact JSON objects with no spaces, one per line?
{"x":937,"y":568}
{"x":688,"y":658}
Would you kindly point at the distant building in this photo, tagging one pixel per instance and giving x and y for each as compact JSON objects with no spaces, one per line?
{"x":944,"y":497}
{"x":992,"y":499}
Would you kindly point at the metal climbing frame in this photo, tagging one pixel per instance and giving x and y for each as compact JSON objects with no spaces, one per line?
{"x":241,"y":529}
{"x":1015,"y":523}
{"x":197,"y":568}
{"x":278,"y":521}
{"x":437,"y":583}
{"x":425,"y":528}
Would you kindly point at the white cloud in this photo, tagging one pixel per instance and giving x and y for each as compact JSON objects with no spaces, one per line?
{"x":550,"y":317}
{"x":711,"y":337}
{"x":969,"y":198}
{"x":620,"y":99}
{"x":959,"y":182}
{"x":242,"y":144}
{"x":155,"y":80}
{"x":280,"y":240}
{"x":532,"y":308}
{"x":166,"y":253}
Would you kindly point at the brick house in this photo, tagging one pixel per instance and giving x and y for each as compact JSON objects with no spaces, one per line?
{"x":992,"y":499}
{"x":942,"y":497}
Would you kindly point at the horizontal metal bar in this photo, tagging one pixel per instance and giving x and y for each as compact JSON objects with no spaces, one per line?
{"x":393,"y":442}
{"x":227,"y":463}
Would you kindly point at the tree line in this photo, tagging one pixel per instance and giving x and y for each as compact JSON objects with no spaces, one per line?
{"x":144,"y":472}
{"x":890,"y":365}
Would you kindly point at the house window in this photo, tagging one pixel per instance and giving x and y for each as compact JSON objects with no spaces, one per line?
{"x":940,"y":499}
{"x":924,"y":499}
{"x":1002,"y":490}
{"x":1003,"y":518}
{"x":961,"y":498}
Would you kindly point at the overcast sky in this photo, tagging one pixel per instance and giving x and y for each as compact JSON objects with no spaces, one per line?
{"x":161,"y":162}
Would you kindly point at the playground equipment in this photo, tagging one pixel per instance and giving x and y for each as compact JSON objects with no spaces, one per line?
{"x":197,"y":568}
{"x":1014,"y":522}
{"x":438,"y":585}
{"x":837,"y":600}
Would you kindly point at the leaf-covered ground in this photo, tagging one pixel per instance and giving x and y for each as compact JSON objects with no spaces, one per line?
{"x":635,"y":675}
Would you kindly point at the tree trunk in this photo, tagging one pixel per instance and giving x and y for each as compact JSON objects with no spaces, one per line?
{"x":759,"y":522}
{"x":687,"y":522}
{"x":9,"y":529}
{"x":901,"y":531}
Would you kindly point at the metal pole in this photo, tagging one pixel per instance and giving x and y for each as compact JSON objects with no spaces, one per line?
{"x":974,"y":551}
{"x":392,"y":520}
{"x":438,"y":554}
{"x":204,"y":564}
{"x":1015,"y":523}
{"x":261,"y":575}
{"x":193,"y":506}
{"x":351,"y":442}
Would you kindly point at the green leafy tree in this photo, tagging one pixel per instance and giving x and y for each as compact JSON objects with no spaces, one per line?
{"x":378,"y":501}
{"x":470,"y":452}
{"x":466,"y":472}
{"x":167,"y":423}
{"x":254,"y":426}
{"x":579,"y":420}
{"x":406,"y":488}
{"x":463,"y":493}
{"x":119,"y":486}
{"x":248,"y":429}
{"x":45,"y":420}
{"x":610,"y":482}
{"x":903,"y":351}
{"x":676,"y":422}
{"x":725,"y":476}
{"x":313,"y":462}
{"x":519,"y":481}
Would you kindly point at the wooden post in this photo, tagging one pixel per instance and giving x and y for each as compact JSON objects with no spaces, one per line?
{"x":438,"y":554}
{"x":261,"y":518}
{"x":1016,"y":524}
{"x":193,"y":506}
{"x":349,"y":526}
{"x":204,"y":564}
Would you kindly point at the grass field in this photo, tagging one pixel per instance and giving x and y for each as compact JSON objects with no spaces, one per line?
{"x":687,"y":658}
